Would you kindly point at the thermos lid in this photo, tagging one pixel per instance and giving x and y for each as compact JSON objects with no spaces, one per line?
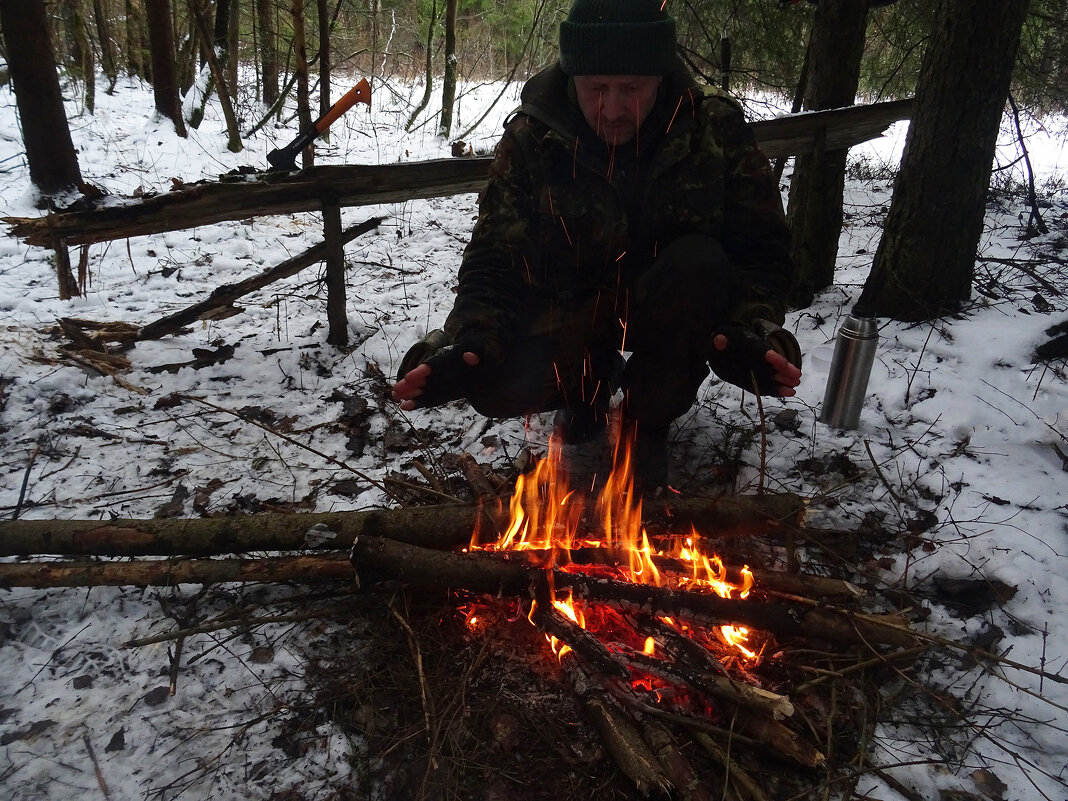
{"x":859,"y":327}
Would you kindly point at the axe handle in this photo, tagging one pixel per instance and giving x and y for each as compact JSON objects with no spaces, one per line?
{"x":285,"y":158}
{"x":360,"y":91}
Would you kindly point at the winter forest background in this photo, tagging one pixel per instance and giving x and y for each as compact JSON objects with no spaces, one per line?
{"x":947,"y":505}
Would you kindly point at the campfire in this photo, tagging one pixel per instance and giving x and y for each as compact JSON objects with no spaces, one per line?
{"x":546,"y":529}
{"x":670,"y":630}
{"x":657,"y":636}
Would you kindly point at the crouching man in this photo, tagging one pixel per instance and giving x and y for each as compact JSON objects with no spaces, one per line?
{"x":626,"y":210}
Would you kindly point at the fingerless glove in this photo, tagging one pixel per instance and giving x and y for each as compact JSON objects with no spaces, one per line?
{"x":743,"y":361}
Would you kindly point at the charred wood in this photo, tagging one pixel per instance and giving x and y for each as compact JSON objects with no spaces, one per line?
{"x":377,"y":559}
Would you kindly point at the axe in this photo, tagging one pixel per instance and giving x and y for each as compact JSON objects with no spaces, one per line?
{"x":285,"y":158}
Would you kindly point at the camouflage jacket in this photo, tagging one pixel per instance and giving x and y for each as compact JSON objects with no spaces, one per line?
{"x":562,"y":216}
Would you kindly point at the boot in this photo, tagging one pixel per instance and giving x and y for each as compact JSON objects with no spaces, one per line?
{"x":649,"y":459}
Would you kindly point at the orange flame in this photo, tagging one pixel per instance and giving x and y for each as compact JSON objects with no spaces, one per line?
{"x":547,"y":515}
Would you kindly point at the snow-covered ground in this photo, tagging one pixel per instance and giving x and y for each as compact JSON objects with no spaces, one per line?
{"x":959,"y":422}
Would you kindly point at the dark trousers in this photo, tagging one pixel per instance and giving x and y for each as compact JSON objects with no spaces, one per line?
{"x":569,"y":353}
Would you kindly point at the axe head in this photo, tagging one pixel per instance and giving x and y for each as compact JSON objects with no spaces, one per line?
{"x":285,"y":158}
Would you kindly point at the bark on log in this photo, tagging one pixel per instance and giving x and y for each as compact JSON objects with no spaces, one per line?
{"x":377,"y":559}
{"x":443,"y":526}
{"x":170,"y":572}
{"x":241,"y":196}
{"x":781,"y":739}
{"x":627,"y":748}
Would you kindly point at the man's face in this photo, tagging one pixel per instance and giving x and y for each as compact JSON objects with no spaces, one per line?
{"x":615,"y":106}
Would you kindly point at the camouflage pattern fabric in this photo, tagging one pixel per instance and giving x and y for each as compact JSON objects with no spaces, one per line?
{"x":568,"y":228}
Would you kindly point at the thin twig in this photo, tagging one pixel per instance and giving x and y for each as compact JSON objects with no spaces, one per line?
{"x":25,"y":483}
{"x":96,"y":765}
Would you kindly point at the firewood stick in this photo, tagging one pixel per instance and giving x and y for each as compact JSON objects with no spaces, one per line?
{"x":688,"y":784}
{"x":446,"y":525}
{"x":376,"y":559}
{"x":629,"y":752}
{"x":476,"y":476}
{"x":586,"y":646}
{"x":443,"y":526}
{"x":781,"y":739}
{"x":722,"y":687}
{"x":806,"y":585}
{"x":169,"y":572}
{"x":747,"y":788}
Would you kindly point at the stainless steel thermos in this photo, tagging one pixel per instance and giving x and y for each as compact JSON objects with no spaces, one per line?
{"x":847,"y":382}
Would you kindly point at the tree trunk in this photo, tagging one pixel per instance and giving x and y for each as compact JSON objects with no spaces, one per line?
{"x":82,"y":50}
{"x":816,"y":191}
{"x":134,"y":43}
{"x":220,"y":39}
{"x":925,"y":261}
{"x":230,"y":63}
{"x":300,"y":69}
{"x":50,"y":152}
{"x":164,"y":64}
{"x":428,"y":76}
{"x":324,"y":62}
{"x":233,"y":143}
{"x":448,"y":82}
{"x":108,"y":62}
{"x":268,"y":52}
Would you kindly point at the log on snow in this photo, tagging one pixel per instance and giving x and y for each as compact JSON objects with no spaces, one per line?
{"x":442,"y":526}
{"x":171,"y":572}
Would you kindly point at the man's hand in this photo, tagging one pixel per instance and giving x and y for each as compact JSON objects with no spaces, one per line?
{"x":783,"y":376}
{"x":765,"y":360}
{"x":440,"y":379}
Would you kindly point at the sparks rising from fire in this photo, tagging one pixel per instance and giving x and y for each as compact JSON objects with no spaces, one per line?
{"x":548,"y":519}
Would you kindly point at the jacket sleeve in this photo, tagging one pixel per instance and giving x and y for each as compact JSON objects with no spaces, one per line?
{"x":492,"y":297}
{"x":756,"y":236}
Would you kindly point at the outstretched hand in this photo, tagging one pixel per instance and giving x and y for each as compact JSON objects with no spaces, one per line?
{"x":785,"y":376}
{"x":421,"y":386}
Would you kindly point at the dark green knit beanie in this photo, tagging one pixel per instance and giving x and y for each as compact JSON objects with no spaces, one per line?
{"x":617,"y":37}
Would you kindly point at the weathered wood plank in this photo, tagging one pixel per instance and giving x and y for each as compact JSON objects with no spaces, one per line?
{"x":259,"y":194}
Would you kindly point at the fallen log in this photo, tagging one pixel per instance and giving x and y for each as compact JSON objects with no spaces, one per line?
{"x":237,"y":197}
{"x":377,"y":559}
{"x":442,"y":526}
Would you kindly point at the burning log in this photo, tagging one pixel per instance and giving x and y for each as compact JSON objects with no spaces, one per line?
{"x":442,"y":526}
{"x":726,"y":689}
{"x":376,"y":559}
